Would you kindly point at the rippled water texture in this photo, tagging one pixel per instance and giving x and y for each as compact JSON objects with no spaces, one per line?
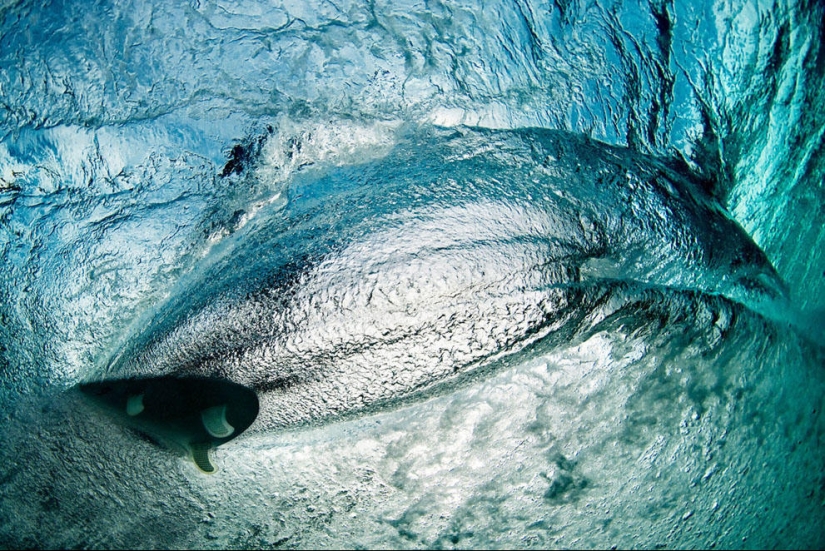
{"x":501,"y":274}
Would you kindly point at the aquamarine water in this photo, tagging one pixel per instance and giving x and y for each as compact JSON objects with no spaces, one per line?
{"x":502,"y":274}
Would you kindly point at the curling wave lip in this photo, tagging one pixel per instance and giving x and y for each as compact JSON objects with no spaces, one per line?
{"x":457,"y":250}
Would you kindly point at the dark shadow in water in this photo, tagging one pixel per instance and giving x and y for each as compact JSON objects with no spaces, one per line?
{"x":188,"y":415}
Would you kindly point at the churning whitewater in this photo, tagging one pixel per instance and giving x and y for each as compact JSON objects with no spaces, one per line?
{"x":412,"y":274}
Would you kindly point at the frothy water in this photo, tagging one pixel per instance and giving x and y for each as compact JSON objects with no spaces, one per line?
{"x":512,"y":274}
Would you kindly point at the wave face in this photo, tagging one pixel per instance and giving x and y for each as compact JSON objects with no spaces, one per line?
{"x":453,"y":250}
{"x":518,"y":274}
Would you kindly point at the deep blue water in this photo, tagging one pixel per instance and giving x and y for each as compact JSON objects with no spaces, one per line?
{"x":511,"y":274}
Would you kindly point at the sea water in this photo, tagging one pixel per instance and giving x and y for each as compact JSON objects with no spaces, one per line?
{"x":502,"y":274}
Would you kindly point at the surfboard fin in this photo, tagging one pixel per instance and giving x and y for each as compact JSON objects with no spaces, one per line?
{"x":200,"y":455}
{"x":134,"y":405}
{"x":215,"y":423}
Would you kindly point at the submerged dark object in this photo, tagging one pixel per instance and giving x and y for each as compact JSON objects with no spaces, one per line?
{"x":189,"y":415}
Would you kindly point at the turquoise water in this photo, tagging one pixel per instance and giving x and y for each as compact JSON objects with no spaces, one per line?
{"x":512,"y":274}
